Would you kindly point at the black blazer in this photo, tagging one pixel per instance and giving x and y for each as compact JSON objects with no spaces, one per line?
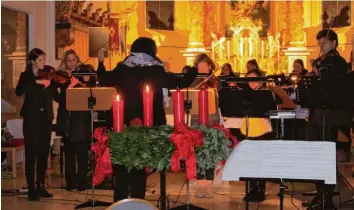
{"x":130,"y":82}
{"x":36,"y":96}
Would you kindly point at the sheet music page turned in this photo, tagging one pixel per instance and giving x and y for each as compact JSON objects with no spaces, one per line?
{"x":315,"y":160}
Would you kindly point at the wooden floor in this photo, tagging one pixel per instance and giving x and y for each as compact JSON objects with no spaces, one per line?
{"x":221,"y":201}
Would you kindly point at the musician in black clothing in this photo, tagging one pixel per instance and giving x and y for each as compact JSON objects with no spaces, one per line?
{"x":141,"y":67}
{"x":37,"y":113}
{"x":74,"y":126}
{"x":332,"y":70}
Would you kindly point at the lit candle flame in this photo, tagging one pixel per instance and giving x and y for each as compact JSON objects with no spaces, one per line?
{"x":147,"y":88}
{"x":117,"y":97}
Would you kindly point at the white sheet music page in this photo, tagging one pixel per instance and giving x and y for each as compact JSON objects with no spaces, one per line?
{"x":315,"y":160}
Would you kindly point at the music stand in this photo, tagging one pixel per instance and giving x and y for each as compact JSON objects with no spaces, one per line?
{"x":246,"y":103}
{"x":189,"y":109}
{"x":90,"y":99}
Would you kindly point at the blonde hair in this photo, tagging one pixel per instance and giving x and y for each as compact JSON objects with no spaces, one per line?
{"x":62,"y":65}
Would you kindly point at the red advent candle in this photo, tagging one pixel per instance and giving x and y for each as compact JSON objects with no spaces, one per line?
{"x":118,"y":115}
{"x":178,"y":107}
{"x":148,"y":99}
{"x":203,"y":107}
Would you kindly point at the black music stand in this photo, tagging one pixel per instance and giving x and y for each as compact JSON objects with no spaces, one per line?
{"x":247,"y":103}
{"x":319,"y":93}
{"x":89,"y":99}
{"x":234,"y":102}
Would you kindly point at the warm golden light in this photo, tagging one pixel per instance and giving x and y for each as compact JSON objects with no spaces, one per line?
{"x":117,"y":98}
{"x":293,"y":78}
{"x":147,"y":88}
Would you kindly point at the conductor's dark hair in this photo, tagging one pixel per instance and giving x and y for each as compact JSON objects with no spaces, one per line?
{"x":253,"y":62}
{"x":332,"y":36}
{"x":144,"y":45}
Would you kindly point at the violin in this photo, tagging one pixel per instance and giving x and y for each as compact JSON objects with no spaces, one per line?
{"x":49,"y":73}
{"x":318,"y":62}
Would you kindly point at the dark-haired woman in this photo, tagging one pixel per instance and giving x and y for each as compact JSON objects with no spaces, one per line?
{"x":37,"y":113}
{"x":141,"y":67}
{"x":253,"y":64}
{"x":259,"y":129}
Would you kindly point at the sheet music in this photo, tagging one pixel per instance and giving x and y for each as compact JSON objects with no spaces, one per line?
{"x":314,"y":160}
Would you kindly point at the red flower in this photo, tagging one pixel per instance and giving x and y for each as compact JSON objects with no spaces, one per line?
{"x":136,"y":122}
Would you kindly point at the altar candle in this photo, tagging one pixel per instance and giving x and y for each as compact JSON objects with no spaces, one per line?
{"x":241,"y":47}
{"x":148,"y":99}
{"x":118,"y":115}
{"x":220,"y":49}
{"x":250,"y":46}
{"x":262,"y":49}
{"x":278,"y":48}
{"x":228,"y":49}
{"x":178,"y":107}
{"x":203,"y":107}
{"x":212,"y":50}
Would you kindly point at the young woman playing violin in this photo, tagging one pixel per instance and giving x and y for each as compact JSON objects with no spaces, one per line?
{"x":37,"y":113}
{"x":74,"y":126}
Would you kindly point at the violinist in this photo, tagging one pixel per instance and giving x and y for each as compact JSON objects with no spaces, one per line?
{"x":74,"y":126}
{"x":299,"y":68}
{"x":37,"y":113}
{"x":259,"y":129}
{"x":204,"y":65}
{"x":330,"y":67}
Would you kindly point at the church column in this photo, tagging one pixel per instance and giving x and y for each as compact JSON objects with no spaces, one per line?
{"x":196,"y":27}
{"x":210,"y":25}
{"x":296,"y":23}
{"x":295,"y":38}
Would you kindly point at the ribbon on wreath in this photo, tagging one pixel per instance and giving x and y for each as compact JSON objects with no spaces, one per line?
{"x":102,"y":157}
{"x":184,"y":140}
{"x":228,"y":135}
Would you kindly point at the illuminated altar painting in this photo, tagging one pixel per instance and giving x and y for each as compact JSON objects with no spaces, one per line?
{"x":258,"y":11}
{"x":160,"y":15}
{"x":339,"y":10}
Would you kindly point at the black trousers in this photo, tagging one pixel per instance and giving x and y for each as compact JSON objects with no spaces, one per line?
{"x":76,"y":150}
{"x":37,"y":133}
{"x":132,"y":182}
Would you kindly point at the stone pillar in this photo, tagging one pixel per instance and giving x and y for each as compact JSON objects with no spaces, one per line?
{"x":293,"y":34}
{"x":209,"y":21}
{"x":196,"y":27}
{"x":21,"y":32}
{"x":296,"y":23}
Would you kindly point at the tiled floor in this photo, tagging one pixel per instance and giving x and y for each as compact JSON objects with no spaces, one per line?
{"x":221,"y":201}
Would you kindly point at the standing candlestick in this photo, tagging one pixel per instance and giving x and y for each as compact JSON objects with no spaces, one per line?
{"x":203,"y":107}
{"x":228,"y":49}
{"x":212,"y":50}
{"x":178,"y":107}
{"x":148,"y":105}
{"x":262,"y":49}
{"x":118,"y":115}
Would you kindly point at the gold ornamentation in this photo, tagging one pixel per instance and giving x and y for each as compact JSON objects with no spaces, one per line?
{"x":296,"y":23}
{"x":196,"y":24}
